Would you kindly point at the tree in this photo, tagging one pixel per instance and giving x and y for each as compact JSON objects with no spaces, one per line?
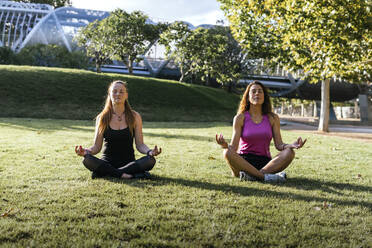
{"x":175,"y":40}
{"x":54,"y":3}
{"x":208,"y":52}
{"x":93,"y":38}
{"x":229,"y":66}
{"x":130,"y":35}
{"x":327,"y":39}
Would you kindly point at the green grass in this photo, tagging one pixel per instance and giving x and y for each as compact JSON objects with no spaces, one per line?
{"x":48,"y":199}
{"x":41,"y":92}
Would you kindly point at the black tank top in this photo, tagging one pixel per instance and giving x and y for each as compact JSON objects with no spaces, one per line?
{"x":118,"y":147}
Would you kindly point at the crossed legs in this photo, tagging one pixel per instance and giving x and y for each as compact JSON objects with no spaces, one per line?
{"x":104,"y":168}
{"x":277,"y":164}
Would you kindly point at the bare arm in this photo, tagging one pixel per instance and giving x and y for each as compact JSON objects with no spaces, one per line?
{"x":279,"y":145}
{"x":95,"y":148}
{"x":138,"y":137}
{"x":237,"y":131}
{"x":275,"y":124}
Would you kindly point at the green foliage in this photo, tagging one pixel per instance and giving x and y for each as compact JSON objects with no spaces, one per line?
{"x":41,"y":92}
{"x":253,"y":31}
{"x":175,"y":40}
{"x":94,"y":38}
{"x":130,"y":35}
{"x":205,"y":52}
{"x":48,"y":199}
{"x":7,"y":56}
{"x":230,"y":63}
{"x":52,"y":56}
{"x":324,"y":38}
{"x":54,"y":3}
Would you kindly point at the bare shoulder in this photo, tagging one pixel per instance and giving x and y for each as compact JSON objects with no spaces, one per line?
{"x":273,"y":118}
{"x":137,"y":116}
{"x":239,"y":118}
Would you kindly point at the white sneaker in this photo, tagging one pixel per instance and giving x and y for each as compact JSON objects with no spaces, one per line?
{"x":275,"y":178}
{"x":245,"y":177}
{"x":282,"y":174}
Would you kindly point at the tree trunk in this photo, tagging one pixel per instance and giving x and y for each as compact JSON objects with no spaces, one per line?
{"x":98,"y":67}
{"x":230,"y":86}
{"x":130,"y":66}
{"x":324,"y":108}
{"x":302,"y":110}
{"x":207,"y":83}
{"x":182,"y":74}
{"x":282,"y":108}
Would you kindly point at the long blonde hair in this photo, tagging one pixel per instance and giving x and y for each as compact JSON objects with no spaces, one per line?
{"x":245,"y":104}
{"x":105,"y":116}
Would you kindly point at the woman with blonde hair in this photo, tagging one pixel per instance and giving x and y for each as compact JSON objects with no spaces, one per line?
{"x":254,"y":126}
{"x":116,"y":127}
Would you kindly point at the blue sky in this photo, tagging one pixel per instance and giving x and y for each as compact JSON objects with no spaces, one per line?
{"x":194,"y":11}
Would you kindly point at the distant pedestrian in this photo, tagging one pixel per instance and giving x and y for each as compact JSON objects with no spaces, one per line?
{"x":248,"y":153}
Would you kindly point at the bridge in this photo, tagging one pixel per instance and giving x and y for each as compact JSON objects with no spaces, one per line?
{"x":23,"y":24}
{"x":290,"y":87}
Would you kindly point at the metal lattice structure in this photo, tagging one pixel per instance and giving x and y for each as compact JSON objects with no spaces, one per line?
{"x":17,"y":20}
{"x":22,"y":24}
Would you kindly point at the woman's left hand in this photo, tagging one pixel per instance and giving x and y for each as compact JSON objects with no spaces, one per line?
{"x":155,"y":152}
{"x":298,"y":143}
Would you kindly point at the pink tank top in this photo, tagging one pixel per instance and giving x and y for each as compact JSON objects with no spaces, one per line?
{"x":256,"y":138}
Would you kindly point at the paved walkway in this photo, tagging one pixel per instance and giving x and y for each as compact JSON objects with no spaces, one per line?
{"x":362,"y":132}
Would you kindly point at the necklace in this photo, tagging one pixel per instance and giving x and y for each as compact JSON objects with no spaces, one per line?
{"x":119,"y":116}
{"x":256,"y":120}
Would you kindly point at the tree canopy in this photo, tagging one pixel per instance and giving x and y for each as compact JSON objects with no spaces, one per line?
{"x":204,"y":52}
{"x":130,"y":35}
{"x":325,"y":38}
{"x":93,"y":38}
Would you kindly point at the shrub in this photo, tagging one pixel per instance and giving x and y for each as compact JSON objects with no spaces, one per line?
{"x":52,"y":56}
{"x":7,"y":56}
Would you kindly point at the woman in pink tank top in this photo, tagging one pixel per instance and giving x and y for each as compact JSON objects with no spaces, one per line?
{"x":255,"y":125}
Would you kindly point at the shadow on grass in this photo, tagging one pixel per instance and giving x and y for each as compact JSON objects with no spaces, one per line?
{"x":178,"y":136}
{"x":47,"y":125}
{"x":88,"y":125}
{"x":246,"y":190}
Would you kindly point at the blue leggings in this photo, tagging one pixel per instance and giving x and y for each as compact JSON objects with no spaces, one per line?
{"x":103,"y":168}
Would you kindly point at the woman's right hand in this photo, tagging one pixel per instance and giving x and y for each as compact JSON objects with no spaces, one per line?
{"x":221,"y":141}
{"x":80,"y":151}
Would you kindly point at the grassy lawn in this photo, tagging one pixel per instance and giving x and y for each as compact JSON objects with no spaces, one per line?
{"x":42,"y":92}
{"x":49,"y":200}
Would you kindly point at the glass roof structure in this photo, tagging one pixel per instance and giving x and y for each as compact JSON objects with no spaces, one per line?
{"x":23,"y":24}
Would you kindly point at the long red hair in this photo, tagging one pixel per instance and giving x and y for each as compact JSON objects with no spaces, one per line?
{"x":105,"y":116}
{"x":245,"y":104}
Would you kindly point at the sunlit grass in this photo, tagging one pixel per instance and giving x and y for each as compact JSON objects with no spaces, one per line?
{"x":48,"y":198}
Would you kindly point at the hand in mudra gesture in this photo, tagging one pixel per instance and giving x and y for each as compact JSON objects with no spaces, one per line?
{"x":155,"y":152}
{"x":80,"y":151}
{"x":221,"y":141}
{"x":298,"y":143}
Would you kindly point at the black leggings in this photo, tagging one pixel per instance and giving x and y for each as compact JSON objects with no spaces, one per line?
{"x":104,"y":168}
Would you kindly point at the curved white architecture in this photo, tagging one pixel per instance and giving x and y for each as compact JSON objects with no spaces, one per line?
{"x":26,"y":23}
{"x":23,"y":24}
